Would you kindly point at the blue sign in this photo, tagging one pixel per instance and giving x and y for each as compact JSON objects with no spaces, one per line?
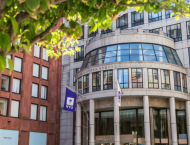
{"x":70,"y":100}
{"x":119,"y":98}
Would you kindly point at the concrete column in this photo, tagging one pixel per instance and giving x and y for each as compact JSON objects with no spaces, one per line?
{"x":145,"y":17}
{"x":102,"y":80}
{"x":173,"y":121}
{"x":92,"y":124}
{"x":130,"y":78}
{"x":187,"y":108}
{"x":82,"y":85}
{"x":114,"y":76}
{"x":85,"y":31}
{"x":145,"y":78}
{"x":90,"y":82}
{"x":116,"y":122}
{"x":78,"y":124}
{"x":129,"y":20}
{"x":172,"y":80}
{"x":146,"y":120}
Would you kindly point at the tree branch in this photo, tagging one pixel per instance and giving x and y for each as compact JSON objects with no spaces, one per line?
{"x":129,"y":5}
{"x":2,"y":4}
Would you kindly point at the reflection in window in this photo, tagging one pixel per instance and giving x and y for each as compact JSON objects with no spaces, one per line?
{"x":3,"y":106}
{"x":153,"y":78}
{"x":108,"y":80}
{"x":177,"y":81}
{"x":160,"y":124}
{"x":92,"y":34}
{"x":80,"y":85}
{"x":122,"y":22}
{"x":75,"y":71}
{"x":14,"y":108}
{"x":85,"y":84}
{"x":123,"y":52}
{"x":181,"y":124}
{"x":137,"y":78}
{"x":111,"y":52}
{"x":16,"y":86}
{"x":137,"y":18}
{"x":184,"y":83}
{"x":123,"y":76}
{"x":96,"y":81}
{"x":188,"y":30}
{"x":5,"y":83}
{"x":165,"y":76}
{"x":18,"y":64}
{"x":152,"y":17}
{"x":156,"y":31}
{"x":174,"y":32}
{"x":79,"y":56}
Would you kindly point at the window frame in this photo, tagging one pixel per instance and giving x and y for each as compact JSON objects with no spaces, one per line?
{"x":38,"y":71}
{"x":119,"y":22}
{"x":18,"y":108}
{"x":123,"y":77}
{"x":177,"y":80}
{"x":137,"y":79}
{"x":21,"y":64}
{"x":165,"y":79}
{"x":74,"y":78}
{"x":76,"y":56}
{"x":46,"y":113}
{"x":81,"y":85}
{"x":152,"y":19}
{"x":47,"y":73}
{"x":19,"y":86}
{"x":7,"y":107}
{"x":153,"y":78}
{"x":96,"y":73}
{"x":39,"y":53}
{"x":38,"y":91}
{"x":36,"y":112}
{"x":139,"y":21}
{"x":86,"y":90}
{"x":184,"y":82}
{"x":107,"y":80}
{"x":152,"y":30}
{"x":175,"y":29}
{"x":9,"y":83}
{"x":42,"y":55}
{"x":46,"y":93}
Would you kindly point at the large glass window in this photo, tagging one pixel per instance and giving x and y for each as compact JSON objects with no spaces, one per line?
{"x":123,"y":76}
{"x":44,"y":91}
{"x":168,"y":14}
{"x":108,"y":80}
{"x":165,"y":76}
{"x":177,"y":81}
{"x":18,"y":64}
{"x":181,"y":125}
{"x":5,"y":83}
{"x":122,"y":22}
{"x":43,"y":112}
{"x":152,"y":17}
{"x":96,"y":81}
{"x":44,"y":73}
{"x":137,"y":81}
{"x":45,"y":55}
{"x":16,"y":86}
{"x":36,"y":51}
{"x":33,"y":112}
{"x":75,"y":71}
{"x":3,"y":106}
{"x":7,"y":64}
{"x":15,"y":108}
{"x":79,"y":56}
{"x":157,"y":30}
{"x":160,"y":125}
{"x":92,"y":34}
{"x":137,"y":18}
{"x":34,"y":90}
{"x":153,"y":78}
{"x":36,"y":70}
{"x":184,"y":83}
{"x":80,"y":85}
{"x":174,"y":32}
{"x":188,"y":30}
{"x":85,"y":84}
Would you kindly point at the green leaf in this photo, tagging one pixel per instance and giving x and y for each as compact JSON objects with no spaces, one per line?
{"x":102,"y":15}
{"x":2,"y":63}
{"x":10,"y":62}
{"x":15,"y":25}
{"x":33,"y":4}
{"x":73,"y":24}
{"x":28,"y":9}
{"x":24,"y":47}
{"x":137,"y":8}
{"x":4,"y":40}
{"x":177,"y":17}
{"x":8,"y":2}
{"x":20,"y":7}
{"x":44,"y":5}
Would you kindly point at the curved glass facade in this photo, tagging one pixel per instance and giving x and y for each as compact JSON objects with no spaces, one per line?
{"x":131,"y":52}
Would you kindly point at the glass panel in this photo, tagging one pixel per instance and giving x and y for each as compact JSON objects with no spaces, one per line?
{"x":123,"y":46}
{"x":123,"y":78}
{"x":3,"y":106}
{"x":45,"y":55}
{"x":16,"y":86}
{"x":181,"y":124}
{"x":7,"y":64}
{"x":18,"y":64}
{"x":36,"y":70}
{"x":80,"y":85}
{"x":122,"y":58}
{"x":36,"y":51}
{"x":141,"y":123}
{"x":34,"y":90}
{"x":163,"y":123}
{"x":14,"y":108}
{"x":5,"y":83}
{"x":43,"y":113}
{"x":33,"y":113}
{"x":44,"y":92}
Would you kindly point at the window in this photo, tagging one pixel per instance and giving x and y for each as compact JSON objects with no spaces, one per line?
{"x":137,"y":18}
{"x":79,"y":56}
{"x":44,"y":92}
{"x":7,"y":64}
{"x":152,"y":17}
{"x":137,"y":78}
{"x":85,"y":84}
{"x":14,"y":108}
{"x":36,"y":51}
{"x":92,"y":34}
{"x":174,"y":32}
{"x":34,"y":90}
{"x":5,"y":83}
{"x":153,"y":78}
{"x":16,"y":86}
{"x":44,"y":73}
{"x":33,"y":112}
{"x":43,"y":112}
{"x":177,"y":82}
{"x":108,"y":80}
{"x":3,"y":106}
{"x":188,"y":30}
{"x":106,"y":31}
{"x":123,"y":76}
{"x":122,"y":22}
{"x":96,"y":81}
{"x":82,"y":37}
{"x":36,"y":70}
{"x":184,"y":83}
{"x":36,"y":138}
{"x":156,"y":31}
{"x":18,"y":64}
{"x":45,"y":55}
{"x":75,"y":71}
{"x":165,"y":76}
{"x":80,"y":85}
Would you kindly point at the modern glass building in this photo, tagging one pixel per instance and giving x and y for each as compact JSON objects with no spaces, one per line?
{"x":147,"y":56}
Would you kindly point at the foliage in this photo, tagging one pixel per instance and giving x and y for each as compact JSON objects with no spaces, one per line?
{"x":26,"y":22}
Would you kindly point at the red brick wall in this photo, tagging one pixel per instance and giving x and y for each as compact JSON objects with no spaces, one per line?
{"x":23,"y":123}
